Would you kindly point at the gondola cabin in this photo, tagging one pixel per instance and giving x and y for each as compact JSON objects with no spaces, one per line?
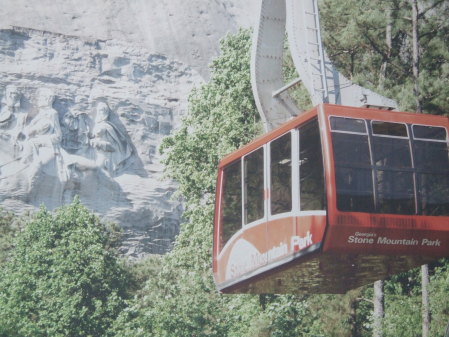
{"x":334,"y":199}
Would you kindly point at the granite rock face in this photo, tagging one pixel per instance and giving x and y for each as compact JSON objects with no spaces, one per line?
{"x":85,"y":117}
{"x":87,"y":92}
{"x":188,"y":31}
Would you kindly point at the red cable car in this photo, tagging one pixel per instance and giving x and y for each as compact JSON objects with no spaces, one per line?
{"x":334,"y":199}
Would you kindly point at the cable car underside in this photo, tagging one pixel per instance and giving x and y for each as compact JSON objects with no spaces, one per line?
{"x":329,"y":273}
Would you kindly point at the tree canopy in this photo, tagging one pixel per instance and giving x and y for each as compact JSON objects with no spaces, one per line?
{"x":371,"y":43}
{"x":63,"y":278}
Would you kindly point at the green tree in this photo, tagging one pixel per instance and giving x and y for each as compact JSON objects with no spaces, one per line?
{"x":181,"y":298}
{"x":372,"y":43}
{"x":63,"y":279}
{"x":221,"y":117}
{"x":9,"y":227}
{"x":439,"y":305}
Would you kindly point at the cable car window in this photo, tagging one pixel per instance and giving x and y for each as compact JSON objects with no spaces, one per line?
{"x":395,"y":192}
{"x":281,"y":174}
{"x":394,"y":173}
{"x":432,"y":165}
{"x":389,"y":129}
{"x":431,"y":155}
{"x":231,"y":202}
{"x":433,"y":191}
{"x":354,"y":189}
{"x":347,"y":124}
{"x":378,"y":173}
{"x":254,"y":186}
{"x":351,"y":149}
{"x":353,"y":173}
{"x":391,"y":152}
{"x":429,"y":132}
{"x":311,"y":174}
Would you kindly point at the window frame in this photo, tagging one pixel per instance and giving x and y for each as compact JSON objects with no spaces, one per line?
{"x":428,"y":139}
{"x":375,"y":169}
{"x":297,"y":185}
{"x":293,"y":209}
{"x":370,"y":123}
{"x":419,"y":172}
{"x":245,"y":223}
{"x":223,"y":243}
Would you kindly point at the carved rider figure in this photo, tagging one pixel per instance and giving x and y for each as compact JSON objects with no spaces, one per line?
{"x":113,"y":148}
{"x":10,"y":104}
{"x":76,"y":135}
{"x":10,"y":117}
{"x":43,"y":137}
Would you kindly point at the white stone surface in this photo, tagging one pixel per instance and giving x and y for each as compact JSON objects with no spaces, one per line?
{"x":188,"y":31}
{"x":139,"y":57}
{"x":86,"y":117}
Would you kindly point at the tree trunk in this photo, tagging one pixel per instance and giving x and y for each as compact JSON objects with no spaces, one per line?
{"x":425,"y":310}
{"x":378,"y":308}
{"x":353,"y":318}
{"x":415,"y":55}
{"x":388,"y":42}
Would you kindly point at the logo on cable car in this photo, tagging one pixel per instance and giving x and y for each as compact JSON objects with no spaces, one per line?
{"x":245,"y":257}
{"x":372,"y":238}
{"x":298,"y":242}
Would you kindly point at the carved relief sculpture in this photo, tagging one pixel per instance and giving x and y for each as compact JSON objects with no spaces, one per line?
{"x":43,"y":136}
{"x":111,"y":144}
{"x":57,"y":140}
{"x":12,"y":118}
{"x":9,"y":105}
{"x":75,"y":132}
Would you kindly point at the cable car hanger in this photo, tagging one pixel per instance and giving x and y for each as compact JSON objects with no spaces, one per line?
{"x":324,"y":83}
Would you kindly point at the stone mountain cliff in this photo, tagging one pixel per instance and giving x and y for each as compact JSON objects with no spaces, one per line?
{"x":187,"y":31}
{"x":88,"y":91}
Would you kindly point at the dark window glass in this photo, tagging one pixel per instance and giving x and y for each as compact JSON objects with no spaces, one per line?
{"x":254,"y":186}
{"x":354,"y":189}
{"x":432,"y":165}
{"x":389,"y":129}
{"x":431,"y":155}
{"x":403,"y":184}
{"x":350,"y":149}
{"x":281,"y":174}
{"x":395,"y":192}
{"x":231,"y":202}
{"x":391,"y":152}
{"x":394,"y":176}
{"x":347,"y":124}
{"x":429,"y":132}
{"x":353,"y":173}
{"x":433,"y":190}
{"x":311,"y":172}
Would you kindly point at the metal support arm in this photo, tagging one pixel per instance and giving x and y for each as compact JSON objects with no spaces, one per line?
{"x":325,"y":84}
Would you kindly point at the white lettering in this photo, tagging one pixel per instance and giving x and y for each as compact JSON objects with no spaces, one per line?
{"x":354,"y":239}
{"x":277,"y":251}
{"x":298,"y":242}
{"x":365,"y":234}
{"x":427,"y":242}
{"x":383,"y":240}
{"x":257,"y":260}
